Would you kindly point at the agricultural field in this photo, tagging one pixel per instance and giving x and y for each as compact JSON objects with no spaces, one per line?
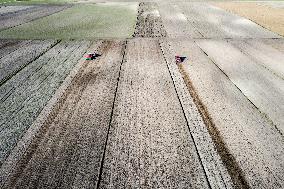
{"x":104,"y":20}
{"x":268,"y":15}
{"x":135,"y":116}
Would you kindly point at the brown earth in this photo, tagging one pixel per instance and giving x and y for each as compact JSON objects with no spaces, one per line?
{"x":267,"y":16}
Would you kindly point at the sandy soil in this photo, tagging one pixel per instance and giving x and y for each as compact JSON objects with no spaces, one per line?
{"x":266,"y":15}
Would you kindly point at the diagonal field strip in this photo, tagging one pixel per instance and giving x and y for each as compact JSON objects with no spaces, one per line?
{"x":263,"y":54}
{"x":216,"y":172}
{"x":23,"y":16}
{"x":25,"y":94}
{"x":263,"y":88}
{"x":79,"y":125}
{"x":8,"y":46}
{"x":254,"y":143}
{"x":11,"y":64}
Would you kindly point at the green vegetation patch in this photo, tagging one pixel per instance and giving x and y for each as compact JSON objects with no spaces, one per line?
{"x":82,"y":21}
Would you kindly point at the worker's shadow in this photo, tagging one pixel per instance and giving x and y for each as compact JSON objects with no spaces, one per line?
{"x":95,"y":56}
{"x":182,"y":58}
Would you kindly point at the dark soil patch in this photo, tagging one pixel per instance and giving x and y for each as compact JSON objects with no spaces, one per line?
{"x":149,"y":22}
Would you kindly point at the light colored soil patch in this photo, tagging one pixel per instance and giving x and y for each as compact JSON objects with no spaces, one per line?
{"x":102,"y":20}
{"x":270,"y":17}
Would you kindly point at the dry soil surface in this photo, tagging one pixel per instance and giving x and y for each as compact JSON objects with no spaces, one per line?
{"x":264,"y":14}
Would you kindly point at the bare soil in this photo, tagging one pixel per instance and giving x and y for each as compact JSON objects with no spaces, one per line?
{"x":149,"y":22}
{"x":22,"y":16}
{"x":270,"y":17}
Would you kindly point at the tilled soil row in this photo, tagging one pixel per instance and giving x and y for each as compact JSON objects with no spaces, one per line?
{"x":149,"y":22}
{"x":27,"y":15}
{"x":25,"y":94}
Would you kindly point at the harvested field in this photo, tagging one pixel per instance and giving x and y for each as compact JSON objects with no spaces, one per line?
{"x":101,"y":20}
{"x":26,"y":15}
{"x":26,"y":93}
{"x":250,"y":138}
{"x":149,"y":23}
{"x":264,"y":14}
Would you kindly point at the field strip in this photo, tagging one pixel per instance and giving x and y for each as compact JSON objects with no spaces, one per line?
{"x":263,"y":54}
{"x":76,"y":115}
{"x":267,"y":14}
{"x":11,"y":9}
{"x":8,"y":46}
{"x":11,"y":64}
{"x":149,"y":144}
{"x":259,"y":85}
{"x":24,"y":100}
{"x":254,"y":144}
{"x":216,"y":172}
{"x":275,"y":43}
{"x":149,"y":23}
{"x":92,"y":21}
{"x":175,"y":22}
{"x":28,"y":15}
{"x":214,"y":22}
